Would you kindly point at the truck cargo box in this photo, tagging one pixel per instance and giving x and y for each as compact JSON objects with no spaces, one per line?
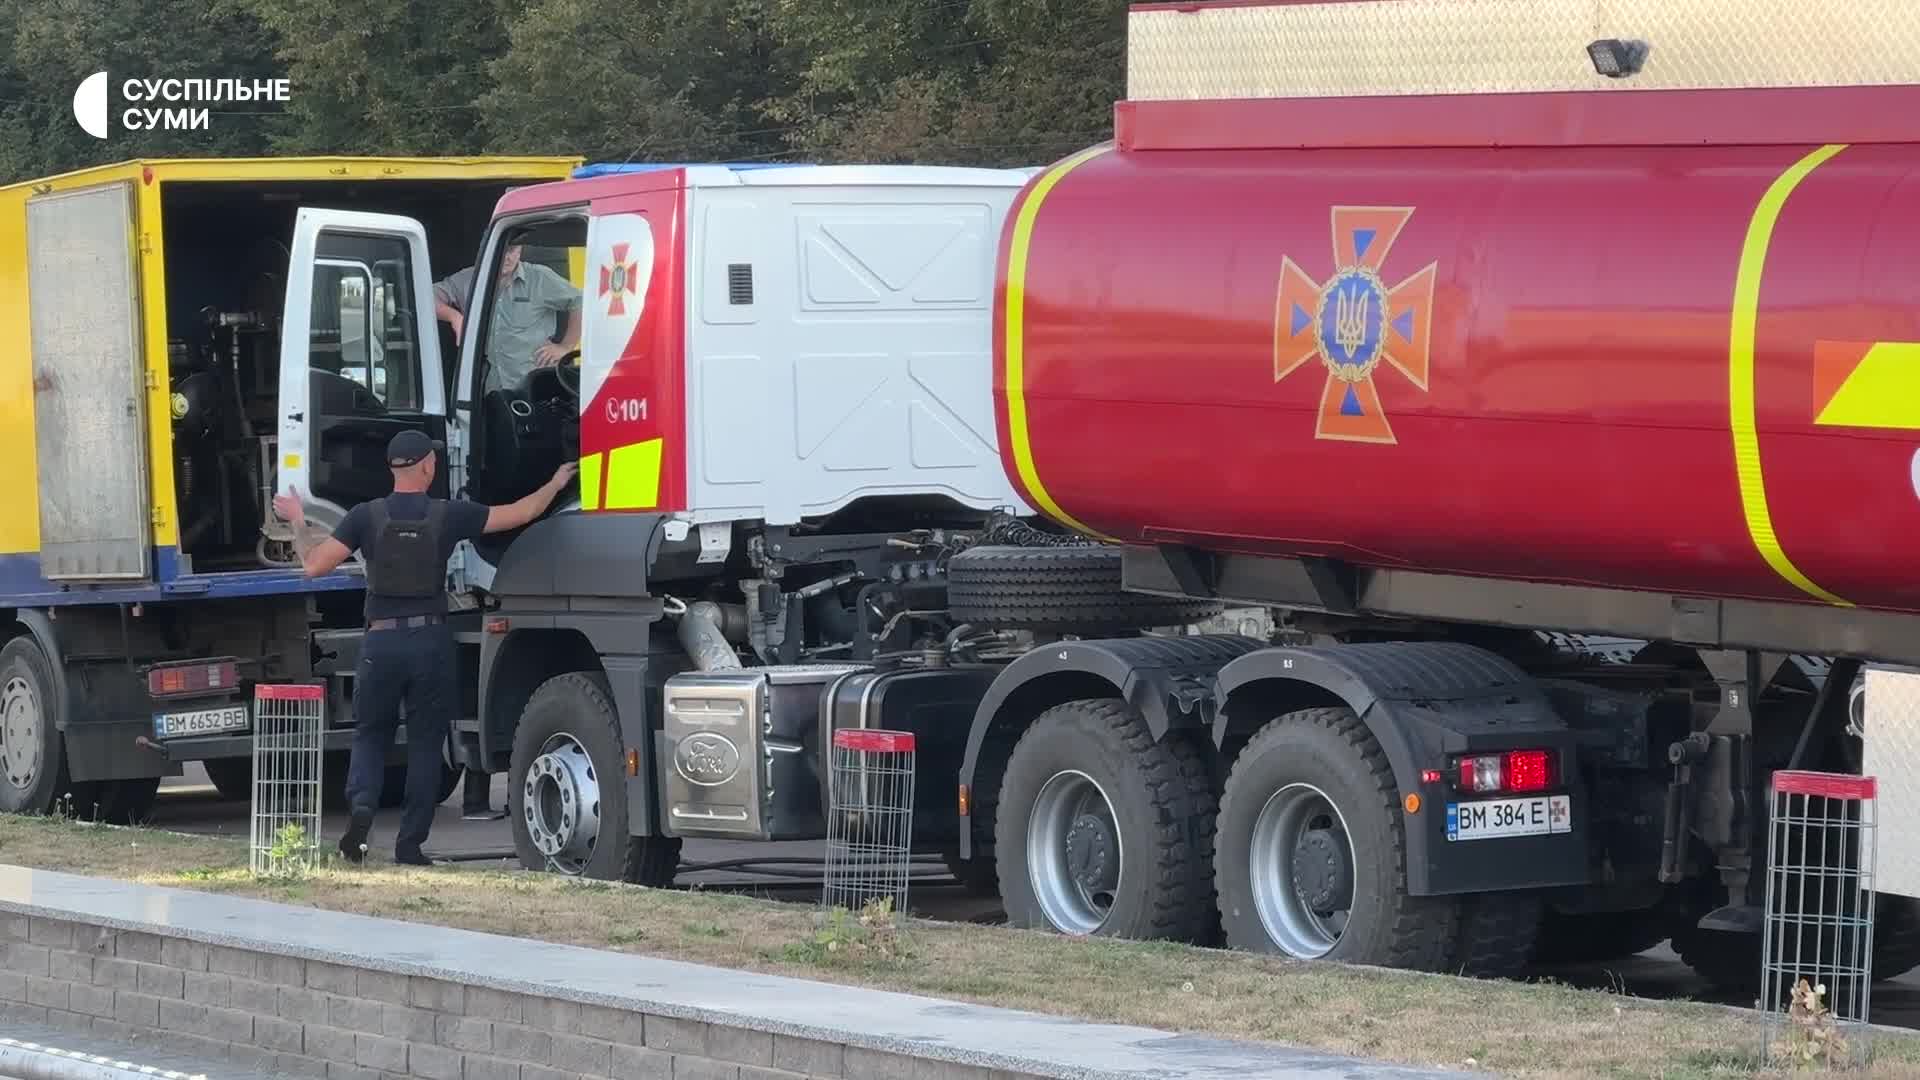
{"x":140,"y":304}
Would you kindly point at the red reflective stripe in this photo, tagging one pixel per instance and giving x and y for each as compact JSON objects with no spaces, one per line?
{"x":1826,"y":785}
{"x":873,"y":740}
{"x":290,"y":692}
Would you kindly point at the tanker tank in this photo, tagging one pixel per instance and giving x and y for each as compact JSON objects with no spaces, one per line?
{"x":1684,"y":369}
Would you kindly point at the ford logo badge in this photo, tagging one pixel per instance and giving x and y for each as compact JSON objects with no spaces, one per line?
{"x":707,"y":759}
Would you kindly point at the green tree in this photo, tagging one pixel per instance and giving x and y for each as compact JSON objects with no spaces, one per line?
{"x":987,"y":82}
{"x":374,"y":77}
{"x":661,"y":80}
{"x":52,"y":48}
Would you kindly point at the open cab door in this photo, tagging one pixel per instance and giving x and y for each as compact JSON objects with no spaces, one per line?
{"x":359,"y":358}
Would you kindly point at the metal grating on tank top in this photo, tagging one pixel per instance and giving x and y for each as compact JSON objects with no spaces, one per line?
{"x":740,"y":283}
{"x":1317,"y":48}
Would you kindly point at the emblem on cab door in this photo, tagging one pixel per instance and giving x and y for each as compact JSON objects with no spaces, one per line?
{"x":1353,"y":321}
{"x":706,"y":759}
{"x":616,"y":280}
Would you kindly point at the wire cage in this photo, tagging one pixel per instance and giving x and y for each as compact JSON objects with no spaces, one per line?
{"x":1817,"y":940}
{"x":869,"y":818}
{"x":289,"y":722}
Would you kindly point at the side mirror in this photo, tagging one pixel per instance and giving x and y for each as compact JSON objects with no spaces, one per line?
{"x":354,"y":325}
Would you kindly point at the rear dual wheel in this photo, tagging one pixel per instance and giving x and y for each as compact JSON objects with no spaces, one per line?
{"x":1103,"y":831}
{"x":1310,"y":861}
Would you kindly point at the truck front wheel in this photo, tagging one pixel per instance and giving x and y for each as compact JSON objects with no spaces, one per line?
{"x":567,"y":794}
{"x":1310,"y":854}
{"x":1103,"y":831}
{"x":32,"y":754}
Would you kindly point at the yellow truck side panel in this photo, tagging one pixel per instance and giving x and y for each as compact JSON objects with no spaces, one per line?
{"x":19,"y":497}
{"x":19,"y":478}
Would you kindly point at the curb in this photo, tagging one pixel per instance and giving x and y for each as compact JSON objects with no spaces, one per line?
{"x":34,"y":1061}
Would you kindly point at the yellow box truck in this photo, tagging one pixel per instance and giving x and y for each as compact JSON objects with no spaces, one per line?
{"x":143,"y":577}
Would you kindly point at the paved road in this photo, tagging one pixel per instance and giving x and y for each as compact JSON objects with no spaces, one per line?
{"x":190,"y":804}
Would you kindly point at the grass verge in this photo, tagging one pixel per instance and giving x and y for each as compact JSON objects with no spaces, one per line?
{"x":1513,"y":1029}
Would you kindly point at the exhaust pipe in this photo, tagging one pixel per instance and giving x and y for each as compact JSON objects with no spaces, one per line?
{"x":703,"y":635}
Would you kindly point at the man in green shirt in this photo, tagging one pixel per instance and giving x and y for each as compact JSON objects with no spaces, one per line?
{"x":527,"y":298}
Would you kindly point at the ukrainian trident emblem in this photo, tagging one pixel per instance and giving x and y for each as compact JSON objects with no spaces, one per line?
{"x":1353,"y":321}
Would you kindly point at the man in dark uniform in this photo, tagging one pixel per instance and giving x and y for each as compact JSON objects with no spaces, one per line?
{"x":408,"y":652}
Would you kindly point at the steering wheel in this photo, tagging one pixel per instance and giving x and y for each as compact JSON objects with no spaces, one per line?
{"x":567,"y":374}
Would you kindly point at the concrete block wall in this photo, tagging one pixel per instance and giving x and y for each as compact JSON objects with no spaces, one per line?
{"x":277,"y":1015}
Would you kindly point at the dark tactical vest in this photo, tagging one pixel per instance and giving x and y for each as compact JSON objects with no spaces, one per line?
{"x":408,"y":560}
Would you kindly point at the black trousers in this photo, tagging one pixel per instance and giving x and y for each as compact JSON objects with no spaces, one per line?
{"x":417,"y":666}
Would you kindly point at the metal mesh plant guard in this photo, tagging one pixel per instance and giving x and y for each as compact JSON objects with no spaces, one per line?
{"x":1817,"y":942}
{"x":869,"y":818}
{"x":288,"y":723}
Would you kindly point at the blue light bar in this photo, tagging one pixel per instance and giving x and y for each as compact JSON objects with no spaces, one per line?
{"x":612,"y":168}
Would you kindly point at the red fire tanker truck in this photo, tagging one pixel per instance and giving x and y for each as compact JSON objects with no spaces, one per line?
{"x":1545,"y":372}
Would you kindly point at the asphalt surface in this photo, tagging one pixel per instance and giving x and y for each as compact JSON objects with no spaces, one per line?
{"x":190,"y":804}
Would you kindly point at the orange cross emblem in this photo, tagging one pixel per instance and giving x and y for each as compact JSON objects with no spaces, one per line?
{"x":1353,"y":321}
{"x":617,"y":280}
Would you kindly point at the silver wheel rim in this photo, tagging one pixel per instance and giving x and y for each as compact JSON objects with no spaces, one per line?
{"x":1073,"y":853}
{"x":561,"y":804}
{"x":19,"y":733}
{"x":1300,"y":867}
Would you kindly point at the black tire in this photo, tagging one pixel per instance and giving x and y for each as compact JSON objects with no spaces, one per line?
{"x":978,"y":877}
{"x":231,"y":777}
{"x":1896,"y":936}
{"x":1598,"y":936}
{"x":1731,"y":961}
{"x":334,"y":766}
{"x":33,"y":776}
{"x":1162,"y":810}
{"x":393,"y":784}
{"x":1495,"y":935}
{"x":1061,"y":589}
{"x":127,"y":802}
{"x":580,"y":706}
{"x":1331,"y":750}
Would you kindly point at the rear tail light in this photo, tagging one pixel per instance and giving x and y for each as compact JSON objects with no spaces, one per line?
{"x":199,"y":677}
{"x":1514,"y":770}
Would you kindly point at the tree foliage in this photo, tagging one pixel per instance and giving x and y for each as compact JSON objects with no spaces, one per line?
{"x":986,"y":82}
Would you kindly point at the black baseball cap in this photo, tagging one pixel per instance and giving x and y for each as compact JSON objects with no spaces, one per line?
{"x":408,"y":447}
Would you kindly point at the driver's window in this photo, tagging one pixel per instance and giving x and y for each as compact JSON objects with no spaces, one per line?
{"x":534,"y":306}
{"x":364,"y":324}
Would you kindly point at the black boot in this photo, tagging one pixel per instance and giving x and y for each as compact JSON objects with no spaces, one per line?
{"x":353,"y":842}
